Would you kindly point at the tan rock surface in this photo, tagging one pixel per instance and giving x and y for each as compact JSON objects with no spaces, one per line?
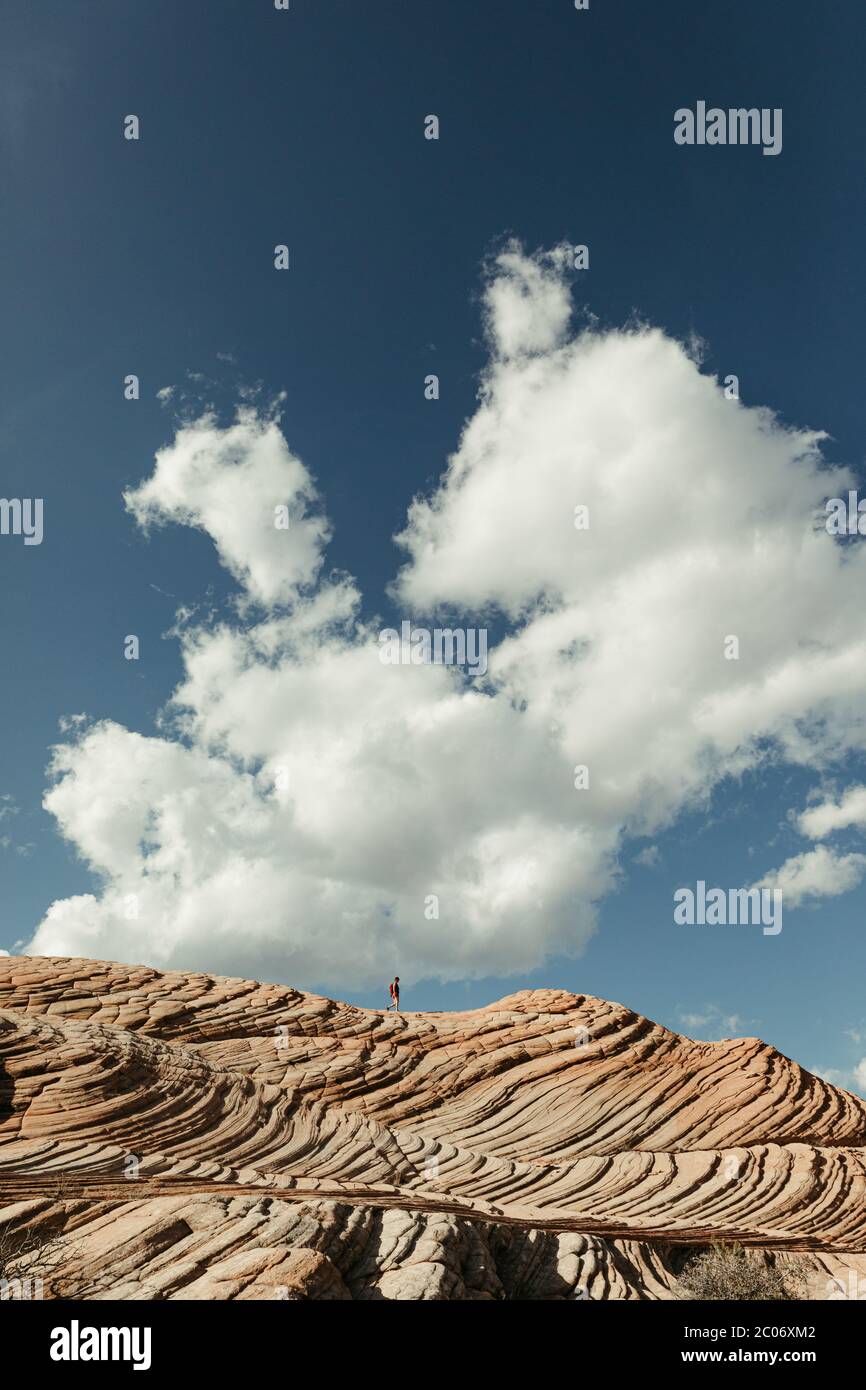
{"x":196,"y":1137}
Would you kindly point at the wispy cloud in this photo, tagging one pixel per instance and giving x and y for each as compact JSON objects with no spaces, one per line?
{"x":711,"y":1020}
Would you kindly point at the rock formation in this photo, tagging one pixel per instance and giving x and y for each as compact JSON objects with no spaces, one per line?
{"x":184,"y":1136}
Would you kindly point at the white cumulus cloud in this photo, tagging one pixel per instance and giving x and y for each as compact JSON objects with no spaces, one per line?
{"x":817,"y":873}
{"x":821,"y":820}
{"x":823,"y":871}
{"x":308,"y":813}
{"x":230,"y":483}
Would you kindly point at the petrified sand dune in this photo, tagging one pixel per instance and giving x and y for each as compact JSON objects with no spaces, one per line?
{"x":198,"y":1137}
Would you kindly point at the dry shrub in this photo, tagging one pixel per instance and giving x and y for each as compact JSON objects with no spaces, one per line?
{"x":729,"y":1273}
{"x":31,"y":1253}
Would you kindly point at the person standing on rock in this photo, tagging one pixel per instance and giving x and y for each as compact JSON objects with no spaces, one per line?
{"x":394,"y":989}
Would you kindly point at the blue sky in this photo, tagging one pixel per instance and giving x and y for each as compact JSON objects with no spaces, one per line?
{"x":156,"y":257}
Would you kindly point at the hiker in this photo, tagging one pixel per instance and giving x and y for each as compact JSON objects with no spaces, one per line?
{"x":394,"y":990}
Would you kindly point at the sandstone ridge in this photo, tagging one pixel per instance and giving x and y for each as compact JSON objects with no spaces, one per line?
{"x":183,"y":1135}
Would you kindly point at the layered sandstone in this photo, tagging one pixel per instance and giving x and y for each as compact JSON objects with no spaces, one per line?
{"x":186,"y":1136}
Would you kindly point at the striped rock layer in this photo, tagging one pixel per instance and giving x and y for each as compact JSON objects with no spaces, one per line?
{"x":172,"y":1135}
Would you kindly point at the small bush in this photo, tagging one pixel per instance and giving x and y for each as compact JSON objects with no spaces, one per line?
{"x":728,"y":1272}
{"x":32,"y":1253}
